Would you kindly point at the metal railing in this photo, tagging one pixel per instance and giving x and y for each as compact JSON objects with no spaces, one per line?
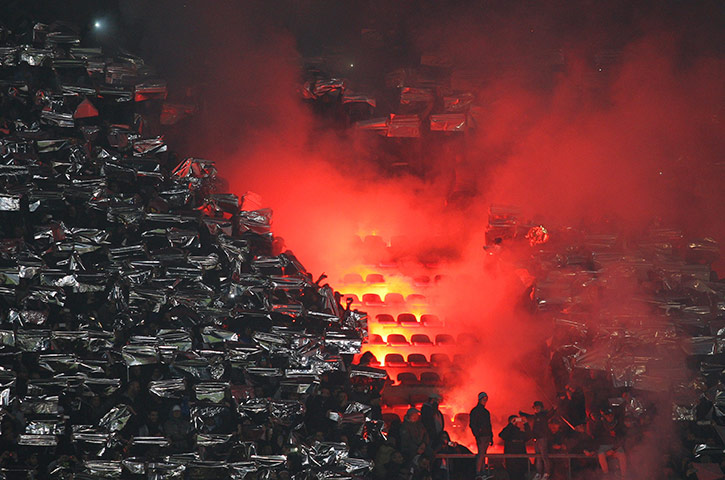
{"x":552,"y":456}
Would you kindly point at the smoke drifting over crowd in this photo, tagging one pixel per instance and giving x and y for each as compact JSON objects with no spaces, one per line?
{"x":605,"y":116}
{"x":568,"y":130}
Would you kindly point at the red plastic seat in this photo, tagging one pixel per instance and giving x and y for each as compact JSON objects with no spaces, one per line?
{"x":430,"y":320}
{"x":395,"y":360}
{"x":372,"y":300}
{"x":421,"y":280}
{"x":408,"y":320}
{"x":444,"y":339}
{"x":394,"y":299}
{"x":418,"y":360}
{"x":352,"y":278}
{"x":397,"y":339}
{"x":407,"y":378}
{"x":420,"y":339}
{"x":385,"y":319}
{"x":430,"y":379}
{"x":416,"y":299}
{"x":375,"y":339}
{"x":440,"y":360}
{"x":375,"y":278}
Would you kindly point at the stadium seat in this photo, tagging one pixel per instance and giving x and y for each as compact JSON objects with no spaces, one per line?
{"x":352,"y":278}
{"x":372,"y":300}
{"x":440,"y":360}
{"x":418,"y":360}
{"x":445,"y":339}
{"x":374,"y":278}
{"x":385,"y":319}
{"x":416,"y":299}
{"x":430,"y":379}
{"x":397,"y":339}
{"x":407,"y":378}
{"x":375,"y":339}
{"x":420,"y":339}
{"x":408,"y":320}
{"x":430,"y":320}
{"x":395,"y":360}
{"x":421,"y":281}
{"x":394,"y":299}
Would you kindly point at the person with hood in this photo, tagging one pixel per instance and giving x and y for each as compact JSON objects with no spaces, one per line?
{"x":480,"y":423}
{"x":540,"y":429}
{"x":414,"y":439}
{"x":178,"y":430}
{"x":431,"y":417}
{"x":515,"y":435}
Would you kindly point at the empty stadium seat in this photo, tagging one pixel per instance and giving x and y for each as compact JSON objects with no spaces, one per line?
{"x":430,"y":378}
{"x":407,"y":378}
{"x":372,"y":299}
{"x":430,"y":320}
{"x":416,"y":299}
{"x":352,"y":278}
{"x":420,"y":339}
{"x":395,"y":360}
{"x":444,"y":339}
{"x":440,"y":360}
{"x":418,"y":360}
{"x":408,"y":320}
{"x":394,"y":299}
{"x":421,"y":280}
{"x":374,"y":278}
{"x":385,"y":319}
{"x":375,"y":339}
{"x":397,"y":339}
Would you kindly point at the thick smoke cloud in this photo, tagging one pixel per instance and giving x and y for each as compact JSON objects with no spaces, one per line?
{"x":609,"y":115}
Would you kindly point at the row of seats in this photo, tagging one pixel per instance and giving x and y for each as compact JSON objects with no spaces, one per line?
{"x":390,"y":300}
{"x":431,"y":379}
{"x":376,"y":278}
{"x":409,"y":320}
{"x":459,"y":420}
{"x":420,"y":360}
{"x":421,"y":339}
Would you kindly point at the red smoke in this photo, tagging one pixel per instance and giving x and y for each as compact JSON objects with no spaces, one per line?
{"x":637,"y":141}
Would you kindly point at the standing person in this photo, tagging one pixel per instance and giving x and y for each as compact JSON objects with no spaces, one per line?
{"x":413,"y":437}
{"x":515,"y":435}
{"x":540,"y":429}
{"x":480,"y":423}
{"x":431,"y":417}
{"x":609,"y":432}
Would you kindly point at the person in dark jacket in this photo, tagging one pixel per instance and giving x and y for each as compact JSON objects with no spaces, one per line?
{"x":609,"y":432}
{"x":431,"y":417}
{"x":540,"y":429}
{"x":514,"y":436}
{"x":480,"y":423}
{"x":413,"y":437}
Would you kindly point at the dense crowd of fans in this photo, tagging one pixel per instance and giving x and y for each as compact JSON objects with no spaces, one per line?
{"x":151,"y":325}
